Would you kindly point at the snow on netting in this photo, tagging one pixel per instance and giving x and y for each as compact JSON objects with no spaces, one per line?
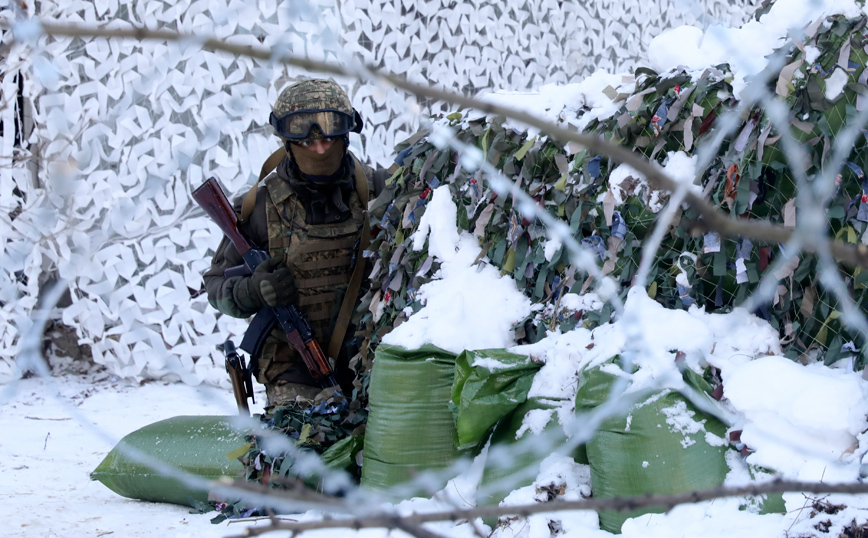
{"x":103,"y":139}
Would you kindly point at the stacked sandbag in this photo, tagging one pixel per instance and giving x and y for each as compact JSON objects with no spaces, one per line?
{"x":429,"y":407}
{"x":662,"y":444}
{"x":410,"y":427}
{"x":519,"y":443}
{"x":489,"y":384}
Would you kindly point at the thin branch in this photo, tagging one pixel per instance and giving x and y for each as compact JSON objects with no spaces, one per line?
{"x":415,"y":530}
{"x":623,"y":504}
{"x":294,"y":491}
{"x":711,"y":218}
{"x":258,"y":518}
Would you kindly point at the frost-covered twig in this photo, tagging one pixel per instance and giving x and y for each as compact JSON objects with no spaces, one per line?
{"x":624,"y":504}
{"x":710,"y":217}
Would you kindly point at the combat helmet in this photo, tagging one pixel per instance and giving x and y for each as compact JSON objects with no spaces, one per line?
{"x":315,"y":102}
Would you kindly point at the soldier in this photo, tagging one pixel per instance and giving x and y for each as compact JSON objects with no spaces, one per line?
{"x":308,"y":215}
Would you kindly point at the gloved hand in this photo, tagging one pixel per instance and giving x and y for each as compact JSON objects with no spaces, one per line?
{"x":273,"y":284}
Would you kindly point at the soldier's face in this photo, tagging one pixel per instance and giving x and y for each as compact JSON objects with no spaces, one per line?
{"x":317,"y":146}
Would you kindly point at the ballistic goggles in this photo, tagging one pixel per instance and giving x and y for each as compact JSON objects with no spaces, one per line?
{"x":333,"y":123}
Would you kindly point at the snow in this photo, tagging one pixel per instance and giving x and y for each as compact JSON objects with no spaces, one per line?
{"x":555,"y":103}
{"x":617,"y":177}
{"x":681,"y":420}
{"x":552,"y":246}
{"x":59,"y":429}
{"x":747,"y":48}
{"x":796,"y":414}
{"x":468,"y":307}
{"x":835,"y":84}
{"x":719,"y":518}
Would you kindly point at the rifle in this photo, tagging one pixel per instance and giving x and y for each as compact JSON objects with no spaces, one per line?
{"x":212,"y":199}
{"x":242,"y":381}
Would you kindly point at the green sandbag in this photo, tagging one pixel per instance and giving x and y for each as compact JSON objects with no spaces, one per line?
{"x":522,"y":457}
{"x":485,"y":393}
{"x":660,"y":447}
{"x":410,"y":427}
{"x":195,"y":444}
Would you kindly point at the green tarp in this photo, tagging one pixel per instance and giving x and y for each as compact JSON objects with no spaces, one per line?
{"x":194,"y":444}
{"x":342,"y":455}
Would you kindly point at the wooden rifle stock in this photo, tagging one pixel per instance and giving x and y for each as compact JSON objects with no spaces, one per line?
{"x":213,"y":200}
{"x":242,"y":385}
{"x":210,"y":197}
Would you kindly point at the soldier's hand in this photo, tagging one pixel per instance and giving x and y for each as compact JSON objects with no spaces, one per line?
{"x":274,"y":283}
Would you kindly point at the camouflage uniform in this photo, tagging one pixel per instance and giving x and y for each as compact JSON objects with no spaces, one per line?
{"x":314,"y":228}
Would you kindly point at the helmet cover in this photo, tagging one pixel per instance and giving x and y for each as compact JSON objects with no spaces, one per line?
{"x":314,"y":103}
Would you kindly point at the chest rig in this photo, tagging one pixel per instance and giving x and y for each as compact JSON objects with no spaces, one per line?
{"x":319,"y":255}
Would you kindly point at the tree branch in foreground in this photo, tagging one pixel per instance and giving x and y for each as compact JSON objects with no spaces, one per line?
{"x":623,"y":504}
{"x":710,"y":217}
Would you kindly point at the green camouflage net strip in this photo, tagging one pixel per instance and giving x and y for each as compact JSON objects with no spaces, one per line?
{"x":315,"y":426}
{"x":749,"y":178}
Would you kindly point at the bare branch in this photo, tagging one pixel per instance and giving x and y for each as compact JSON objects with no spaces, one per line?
{"x":415,"y":530}
{"x":295,"y":491}
{"x":710,"y":217}
{"x":624,"y":504}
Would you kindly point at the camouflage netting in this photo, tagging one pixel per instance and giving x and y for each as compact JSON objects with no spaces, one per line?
{"x":749,"y":178}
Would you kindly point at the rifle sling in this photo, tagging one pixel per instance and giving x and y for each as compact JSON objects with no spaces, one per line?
{"x":250,"y":198}
{"x":346,"y":311}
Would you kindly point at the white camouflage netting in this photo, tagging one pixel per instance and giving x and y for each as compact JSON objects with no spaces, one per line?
{"x":103,"y":139}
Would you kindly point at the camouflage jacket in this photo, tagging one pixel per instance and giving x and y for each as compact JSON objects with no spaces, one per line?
{"x":283,"y":219}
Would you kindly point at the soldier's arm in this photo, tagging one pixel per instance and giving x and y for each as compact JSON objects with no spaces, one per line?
{"x":234,"y":296}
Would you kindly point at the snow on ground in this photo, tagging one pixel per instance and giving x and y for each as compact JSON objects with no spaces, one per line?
{"x":58,"y":430}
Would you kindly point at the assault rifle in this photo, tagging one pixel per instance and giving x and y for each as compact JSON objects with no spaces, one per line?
{"x":298,"y":331}
{"x":239,"y":373}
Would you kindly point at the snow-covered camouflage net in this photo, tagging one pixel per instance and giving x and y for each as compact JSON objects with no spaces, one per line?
{"x":107,"y":137}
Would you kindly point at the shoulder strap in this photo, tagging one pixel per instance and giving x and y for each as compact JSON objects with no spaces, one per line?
{"x":346,"y":311}
{"x":361,"y":183}
{"x":267,"y":167}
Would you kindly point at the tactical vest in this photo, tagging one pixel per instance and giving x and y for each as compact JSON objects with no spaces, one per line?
{"x":319,"y":256}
